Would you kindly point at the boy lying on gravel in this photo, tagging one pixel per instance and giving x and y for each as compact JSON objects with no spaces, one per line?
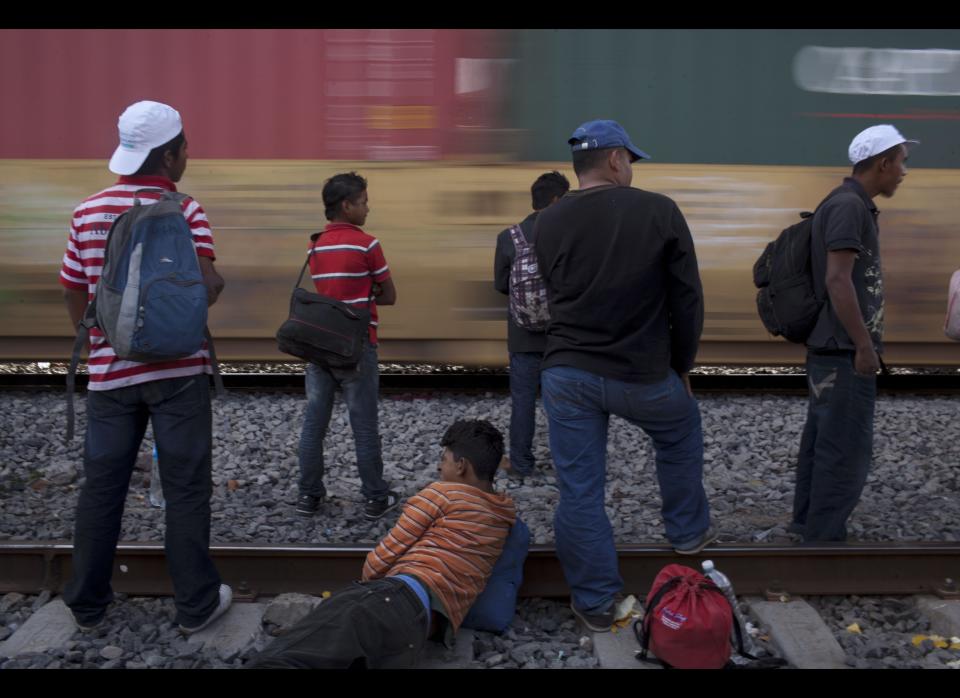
{"x":422,"y":578}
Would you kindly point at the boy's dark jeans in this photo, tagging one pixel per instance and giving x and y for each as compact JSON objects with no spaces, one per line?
{"x":836,"y":447}
{"x":524,"y":383}
{"x":380,"y":624}
{"x":179,"y":409}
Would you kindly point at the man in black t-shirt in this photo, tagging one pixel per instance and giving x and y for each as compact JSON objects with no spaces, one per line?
{"x":843,"y":348}
{"x":626,"y":312}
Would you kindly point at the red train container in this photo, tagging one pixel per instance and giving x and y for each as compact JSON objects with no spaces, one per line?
{"x":326,"y":94}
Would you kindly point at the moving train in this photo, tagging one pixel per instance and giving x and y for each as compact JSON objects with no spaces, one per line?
{"x":746,"y":129}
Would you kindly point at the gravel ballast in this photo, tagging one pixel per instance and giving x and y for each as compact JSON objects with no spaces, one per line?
{"x":912,"y":493}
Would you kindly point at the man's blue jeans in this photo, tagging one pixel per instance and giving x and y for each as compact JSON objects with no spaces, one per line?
{"x":360,"y":388}
{"x":116,"y":421}
{"x":836,"y":447}
{"x":579,"y":405}
{"x":524,"y":382}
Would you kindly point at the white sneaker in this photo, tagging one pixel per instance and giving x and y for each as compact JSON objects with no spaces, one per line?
{"x":226,"y":596}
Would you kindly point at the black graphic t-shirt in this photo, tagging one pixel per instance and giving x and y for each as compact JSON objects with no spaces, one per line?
{"x":847,"y":220}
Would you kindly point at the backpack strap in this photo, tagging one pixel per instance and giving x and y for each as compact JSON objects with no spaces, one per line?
{"x":516,"y":235}
{"x":217,"y":378}
{"x":83,"y":335}
{"x":641,"y":628}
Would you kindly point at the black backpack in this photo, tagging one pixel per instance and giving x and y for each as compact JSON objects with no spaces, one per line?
{"x":787,"y":303}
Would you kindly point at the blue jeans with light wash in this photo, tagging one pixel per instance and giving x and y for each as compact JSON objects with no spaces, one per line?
{"x":360,"y":386}
{"x":179,"y":409}
{"x":836,"y":447}
{"x":524,"y":382}
{"x":579,"y":405}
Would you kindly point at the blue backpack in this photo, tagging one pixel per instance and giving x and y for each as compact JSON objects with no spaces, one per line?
{"x":494,"y":609}
{"x":150,"y":301}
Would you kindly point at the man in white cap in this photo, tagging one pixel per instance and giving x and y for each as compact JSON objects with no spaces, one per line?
{"x":124,"y":395}
{"x":844,"y":347}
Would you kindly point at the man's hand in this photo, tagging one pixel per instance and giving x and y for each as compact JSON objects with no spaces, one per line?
{"x":211,"y":279}
{"x":866,"y":362}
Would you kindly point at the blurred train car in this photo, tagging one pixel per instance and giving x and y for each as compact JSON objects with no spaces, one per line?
{"x":746,"y":128}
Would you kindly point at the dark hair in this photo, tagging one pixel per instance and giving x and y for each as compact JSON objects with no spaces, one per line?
{"x":548,"y":185}
{"x":339,"y":188}
{"x":478,"y":441}
{"x":586,"y":160}
{"x":155,"y":159}
{"x":867,"y":165}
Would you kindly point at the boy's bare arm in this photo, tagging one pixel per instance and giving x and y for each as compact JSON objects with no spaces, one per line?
{"x":76,"y":305}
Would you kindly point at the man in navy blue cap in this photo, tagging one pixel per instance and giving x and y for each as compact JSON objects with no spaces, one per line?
{"x":626,"y":312}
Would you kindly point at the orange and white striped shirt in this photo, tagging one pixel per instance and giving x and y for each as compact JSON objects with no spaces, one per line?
{"x":449,"y":536}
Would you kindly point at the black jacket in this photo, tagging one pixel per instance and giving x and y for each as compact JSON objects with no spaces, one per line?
{"x":622,"y":282}
{"x":519,"y":339}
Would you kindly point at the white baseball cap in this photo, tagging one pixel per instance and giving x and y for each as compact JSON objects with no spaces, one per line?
{"x":143,"y":126}
{"x":873,"y":141}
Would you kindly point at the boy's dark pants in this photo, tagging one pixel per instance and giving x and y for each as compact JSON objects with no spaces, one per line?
{"x":380,"y":624}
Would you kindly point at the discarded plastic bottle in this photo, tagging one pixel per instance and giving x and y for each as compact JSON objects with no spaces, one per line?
{"x":156,"y":488}
{"x":723,"y":583}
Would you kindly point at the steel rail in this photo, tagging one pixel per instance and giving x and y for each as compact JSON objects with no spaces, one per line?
{"x":766,"y":569}
{"x":392,"y":383}
{"x":480,"y":351}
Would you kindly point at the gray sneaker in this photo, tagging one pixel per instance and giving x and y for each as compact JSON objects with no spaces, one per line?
{"x":597,"y":622}
{"x":226,"y":596}
{"x":696,"y":545}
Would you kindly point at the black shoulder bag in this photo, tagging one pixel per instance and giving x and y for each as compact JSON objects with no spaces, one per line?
{"x":323,"y":330}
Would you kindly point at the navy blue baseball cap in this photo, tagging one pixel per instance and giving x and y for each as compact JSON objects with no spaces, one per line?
{"x":604,"y":133}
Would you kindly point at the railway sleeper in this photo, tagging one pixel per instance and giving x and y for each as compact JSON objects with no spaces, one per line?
{"x":917,"y":631}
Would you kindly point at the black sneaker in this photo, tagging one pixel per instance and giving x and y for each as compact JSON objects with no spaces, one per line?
{"x":89,"y":626}
{"x":376,"y":508}
{"x":597,"y":622}
{"x":308,"y":505}
{"x":223,"y":603}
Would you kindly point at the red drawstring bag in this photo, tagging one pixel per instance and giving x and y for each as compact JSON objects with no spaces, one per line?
{"x":688,"y":621}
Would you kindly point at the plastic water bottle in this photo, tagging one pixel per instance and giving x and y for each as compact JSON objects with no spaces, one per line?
{"x":156,"y":488}
{"x":723,"y":583}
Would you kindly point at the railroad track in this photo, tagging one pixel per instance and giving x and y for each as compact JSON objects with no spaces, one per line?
{"x":774,"y":571}
{"x":786,"y":383}
{"x":478,"y":351}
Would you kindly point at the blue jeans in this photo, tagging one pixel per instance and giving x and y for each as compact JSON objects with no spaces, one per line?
{"x":524,"y":382}
{"x":116,"y":421}
{"x":379,"y":624}
{"x":360,"y":387}
{"x":579,"y":405}
{"x":836,"y":447}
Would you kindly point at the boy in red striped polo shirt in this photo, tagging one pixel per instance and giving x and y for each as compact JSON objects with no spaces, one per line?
{"x":123,"y":395}
{"x":347,"y":264}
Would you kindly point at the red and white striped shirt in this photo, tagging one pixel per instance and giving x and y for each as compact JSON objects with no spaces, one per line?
{"x":345,"y":263}
{"x":83,"y":263}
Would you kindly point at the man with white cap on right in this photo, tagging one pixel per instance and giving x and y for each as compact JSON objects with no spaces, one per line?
{"x":843,"y":350}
